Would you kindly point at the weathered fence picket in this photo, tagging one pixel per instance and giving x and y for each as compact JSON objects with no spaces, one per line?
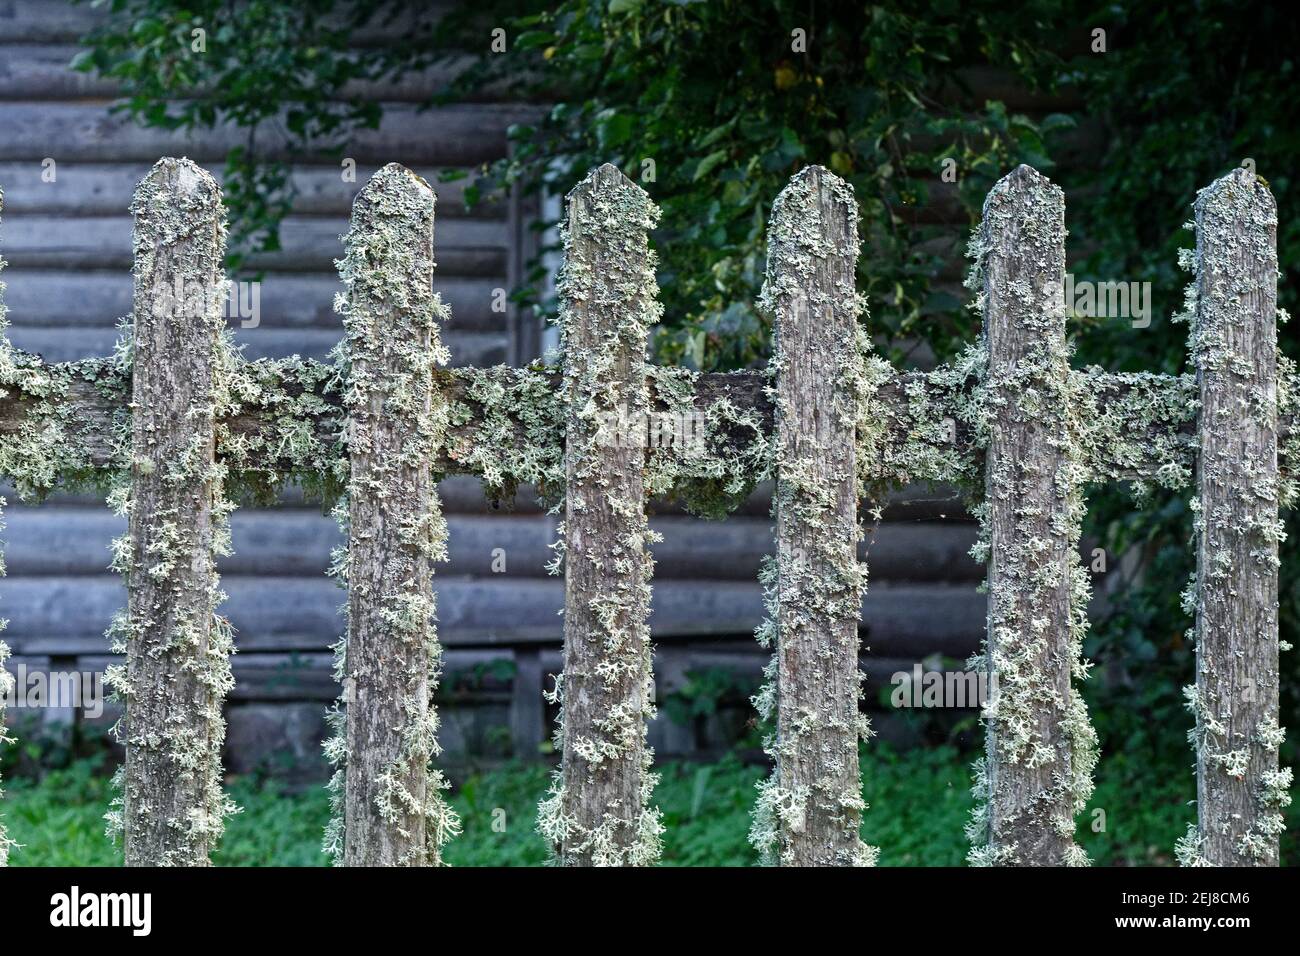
{"x":6,"y":679}
{"x":1037,"y":773}
{"x":393,"y":809}
{"x":811,"y":810}
{"x":599,"y":810}
{"x":177,"y":647}
{"x":1010,"y":419}
{"x":1240,"y":790}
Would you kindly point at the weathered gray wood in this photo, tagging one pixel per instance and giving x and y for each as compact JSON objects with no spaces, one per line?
{"x":668,"y":735}
{"x":70,"y":344}
{"x":41,"y":72}
{"x":104,"y":189}
{"x":393,"y":810}
{"x":466,"y":248}
{"x":809,"y":813}
{"x":463,"y":494}
{"x":287,"y":300}
{"x":85,"y":132}
{"x":1037,"y":772}
{"x":1240,"y":791}
{"x":178,"y":649}
{"x":6,"y":680}
{"x":527,"y":706}
{"x":284,"y":613}
{"x":39,"y":21}
{"x":1130,"y":426}
{"x":599,"y":812}
{"x":6,"y":687}
{"x":293,"y":541}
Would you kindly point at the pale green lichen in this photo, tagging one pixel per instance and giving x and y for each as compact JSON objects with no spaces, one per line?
{"x":711,"y":476}
{"x":389,"y":357}
{"x":190,"y":735}
{"x":1033,"y":727}
{"x":6,"y":679}
{"x":295,"y":403}
{"x":610,"y":219}
{"x":335,"y":745}
{"x":1236,"y":525}
{"x":508,"y":426}
{"x":508,"y":429}
{"x":817,"y":594}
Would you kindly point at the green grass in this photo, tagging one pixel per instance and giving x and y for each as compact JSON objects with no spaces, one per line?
{"x":919,"y":801}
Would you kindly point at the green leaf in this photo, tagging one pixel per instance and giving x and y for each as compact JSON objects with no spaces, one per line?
{"x":708,"y":164}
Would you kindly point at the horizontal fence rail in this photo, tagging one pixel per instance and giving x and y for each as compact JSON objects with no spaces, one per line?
{"x":180,"y":425}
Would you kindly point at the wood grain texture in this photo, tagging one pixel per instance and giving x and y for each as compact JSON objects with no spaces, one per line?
{"x":600,"y":812}
{"x":393,"y":811}
{"x":1038,"y":750}
{"x":817,"y":591}
{"x":178,"y":667}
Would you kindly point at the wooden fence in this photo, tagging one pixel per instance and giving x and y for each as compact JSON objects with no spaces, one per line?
{"x":176,"y":419}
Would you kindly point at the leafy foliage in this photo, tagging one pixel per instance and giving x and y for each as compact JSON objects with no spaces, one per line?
{"x":271,"y":70}
{"x":920,"y":800}
{"x":713,"y":106}
{"x":708,"y":105}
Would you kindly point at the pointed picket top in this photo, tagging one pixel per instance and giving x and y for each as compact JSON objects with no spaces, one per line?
{"x":614,"y":213}
{"x":398,"y":191}
{"x":796,"y":213}
{"x":1027,"y":188}
{"x":608,"y":183}
{"x":1236,"y":221}
{"x":176,"y":199}
{"x":387,"y":265}
{"x":800,"y":234}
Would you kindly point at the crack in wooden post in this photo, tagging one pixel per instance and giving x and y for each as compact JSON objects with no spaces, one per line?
{"x":177,"y":649}
{"x":599,"y":810}
{"x":1240,"y":790}
{"x":809,"y":813}
{"x":1041,"y":750}
{"x":393,"y":809}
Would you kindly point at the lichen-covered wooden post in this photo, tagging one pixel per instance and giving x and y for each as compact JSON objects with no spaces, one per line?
{"x":1037,"y":773}
{"x":599,"y":812}
{"x":809,"y":812}
{"x":392,"y":807}
{"x":6,"y":679}
{"x":1240,"y":790}
{"x":177,"y":647}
